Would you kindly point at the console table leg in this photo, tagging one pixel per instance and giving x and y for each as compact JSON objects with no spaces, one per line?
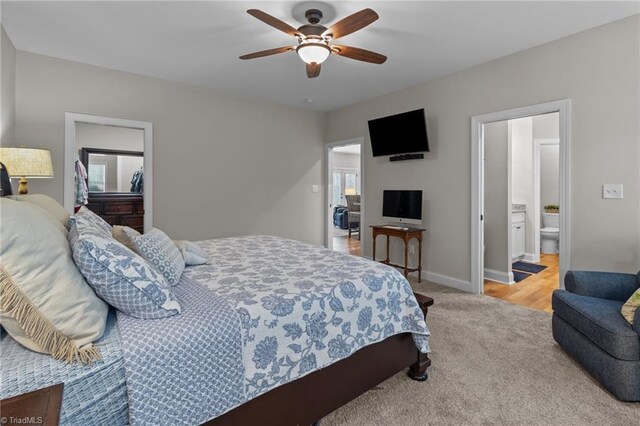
{"x":374,"y":247}
{"x":388,"y":260}
{"x":406,"y":258}
{"x":420,"y":260}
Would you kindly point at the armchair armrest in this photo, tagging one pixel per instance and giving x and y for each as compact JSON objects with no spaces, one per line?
{"x":603,"y":285}
{"x":636,"y":322}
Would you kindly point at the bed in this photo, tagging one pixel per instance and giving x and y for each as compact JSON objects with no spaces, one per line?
{"x":272,"y":331}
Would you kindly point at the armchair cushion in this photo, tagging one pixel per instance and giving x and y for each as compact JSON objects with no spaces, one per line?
{"x":600,"y":321}
{"x":602,"y":285}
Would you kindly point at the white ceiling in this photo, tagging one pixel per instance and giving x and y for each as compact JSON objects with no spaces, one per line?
{"x":348,"y":149}
{"x":199,"y":42}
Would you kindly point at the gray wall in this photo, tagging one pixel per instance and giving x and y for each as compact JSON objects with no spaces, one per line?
{"x":547,"y":127}
{"x":342,"y":160}
{"x":549,"y":175}
{"x":108,"y":137}
{"x":522,"y":187}
{"x":496,"y":197}
{"x":598,"y":69}
{"x":219,"y":168}
{"x":7,"y":88}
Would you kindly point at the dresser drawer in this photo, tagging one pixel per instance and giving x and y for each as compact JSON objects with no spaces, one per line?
{"x":118,"y":208}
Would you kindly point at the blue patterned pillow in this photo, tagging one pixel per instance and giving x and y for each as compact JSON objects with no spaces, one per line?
{"x":91,"y":220}
{"x":159,"y":250}
{"x":119,"y":276}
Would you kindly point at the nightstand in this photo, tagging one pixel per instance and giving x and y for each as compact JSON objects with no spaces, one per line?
{"x":40,"y":407}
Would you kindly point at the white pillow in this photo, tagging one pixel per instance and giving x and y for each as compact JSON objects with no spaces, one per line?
{"x":48,"y":204}
{"x":192,"y":254}
{"x":45,"y":303}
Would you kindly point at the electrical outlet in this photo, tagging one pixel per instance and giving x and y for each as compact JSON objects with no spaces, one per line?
{"x":612,"y":190}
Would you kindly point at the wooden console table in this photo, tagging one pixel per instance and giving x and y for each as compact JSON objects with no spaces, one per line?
{"x":406,"y":234}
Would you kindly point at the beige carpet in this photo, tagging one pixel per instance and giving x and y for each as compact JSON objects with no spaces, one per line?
{"x":494,"y":363}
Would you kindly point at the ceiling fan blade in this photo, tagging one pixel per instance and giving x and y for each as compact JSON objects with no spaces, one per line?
{"x":351,"y":23}
{"x":359,"y":54}
{"x":268,"y":52}
{"x":274,"y":22}
{"x":313,"y":70}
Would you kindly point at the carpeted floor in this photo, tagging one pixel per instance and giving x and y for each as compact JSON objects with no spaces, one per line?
{"x":494,"y":363}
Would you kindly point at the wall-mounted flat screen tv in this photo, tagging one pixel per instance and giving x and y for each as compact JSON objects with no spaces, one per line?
{"x":399,"y":134}
{"x":402,"y":206}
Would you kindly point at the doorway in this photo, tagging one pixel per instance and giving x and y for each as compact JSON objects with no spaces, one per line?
{"x":527,"y":273}
{"x":345,"y":202}
{"x":521,"y":219}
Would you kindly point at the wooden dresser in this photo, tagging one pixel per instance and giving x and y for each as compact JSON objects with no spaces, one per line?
{"x":119,"y":209}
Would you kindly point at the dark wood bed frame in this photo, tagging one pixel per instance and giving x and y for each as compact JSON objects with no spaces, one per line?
{"x":307,"y":400}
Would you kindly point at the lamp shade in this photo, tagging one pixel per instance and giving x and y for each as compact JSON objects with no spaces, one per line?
{"x":313,"y":52}
{"x":26,"y":162}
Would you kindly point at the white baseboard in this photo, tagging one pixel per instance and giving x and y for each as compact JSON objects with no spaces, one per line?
{"x":499,"y":276}
{"x":530,"y":257}
{"x":441,"y":279}
{"x":446,"y":281}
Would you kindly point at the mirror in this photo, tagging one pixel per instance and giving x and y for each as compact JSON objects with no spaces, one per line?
{"x":112,"y":171}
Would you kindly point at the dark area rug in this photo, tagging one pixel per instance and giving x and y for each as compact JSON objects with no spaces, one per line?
{"x":532,"y":268}
{"x":519,"y":276}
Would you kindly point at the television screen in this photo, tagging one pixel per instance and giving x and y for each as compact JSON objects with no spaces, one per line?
{"x":399,"y":134}
{"x":402,"y":204}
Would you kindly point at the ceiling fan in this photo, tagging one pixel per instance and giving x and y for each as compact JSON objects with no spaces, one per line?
{"x":315,"y":41}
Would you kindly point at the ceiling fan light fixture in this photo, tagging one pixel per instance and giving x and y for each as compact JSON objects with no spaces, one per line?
{"x":313,"y":52}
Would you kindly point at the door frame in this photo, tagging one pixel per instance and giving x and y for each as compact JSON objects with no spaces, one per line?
{"x":563,"y":107}
{"x":328,"y":209}
{"x":70,"y":120}
{"x":537,"y":205}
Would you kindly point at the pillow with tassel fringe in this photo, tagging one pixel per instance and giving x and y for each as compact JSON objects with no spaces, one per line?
{"x":45,"y":303}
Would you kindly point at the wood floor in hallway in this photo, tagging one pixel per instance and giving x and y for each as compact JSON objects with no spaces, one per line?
{"x":344,"y":244}
{"x":534,"y":291}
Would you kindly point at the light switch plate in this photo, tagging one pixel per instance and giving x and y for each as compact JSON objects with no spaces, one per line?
{"x":315,"y":188}
{"x":612,"y":190}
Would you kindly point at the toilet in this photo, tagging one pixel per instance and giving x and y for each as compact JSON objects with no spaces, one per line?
{"x":550,"y":233}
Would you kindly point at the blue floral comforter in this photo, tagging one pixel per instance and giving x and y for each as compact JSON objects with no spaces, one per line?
{"x":298,"y":308}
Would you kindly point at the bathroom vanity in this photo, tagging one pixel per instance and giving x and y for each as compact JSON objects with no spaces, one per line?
{"x":517,"y":231}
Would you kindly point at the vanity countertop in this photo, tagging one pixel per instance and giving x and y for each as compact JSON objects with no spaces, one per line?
{"x":518,"y":208}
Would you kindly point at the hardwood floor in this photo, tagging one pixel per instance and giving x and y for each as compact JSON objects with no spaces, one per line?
{"x":534,"y":291}
{"x":344,"y":244}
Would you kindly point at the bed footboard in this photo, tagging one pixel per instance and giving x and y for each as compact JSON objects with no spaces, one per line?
{"x":418,"y":370}
{"x":306,"y":400}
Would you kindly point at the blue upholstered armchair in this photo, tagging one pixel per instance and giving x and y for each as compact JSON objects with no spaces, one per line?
{"x":588,"y":325}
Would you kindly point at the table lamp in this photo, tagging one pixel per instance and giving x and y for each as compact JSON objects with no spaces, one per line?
{"x":23,"y":162}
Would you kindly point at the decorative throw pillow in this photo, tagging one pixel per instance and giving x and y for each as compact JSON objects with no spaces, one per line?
{"x":45,"y":303}
{"x":88,"y":218}
{"x":161,"y":252}
{"x":121,"y":277}
{"x":631,"y":306}
{"x":47,"y":203}
{"x":192,"y":254}
{"x":124,"y":234}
